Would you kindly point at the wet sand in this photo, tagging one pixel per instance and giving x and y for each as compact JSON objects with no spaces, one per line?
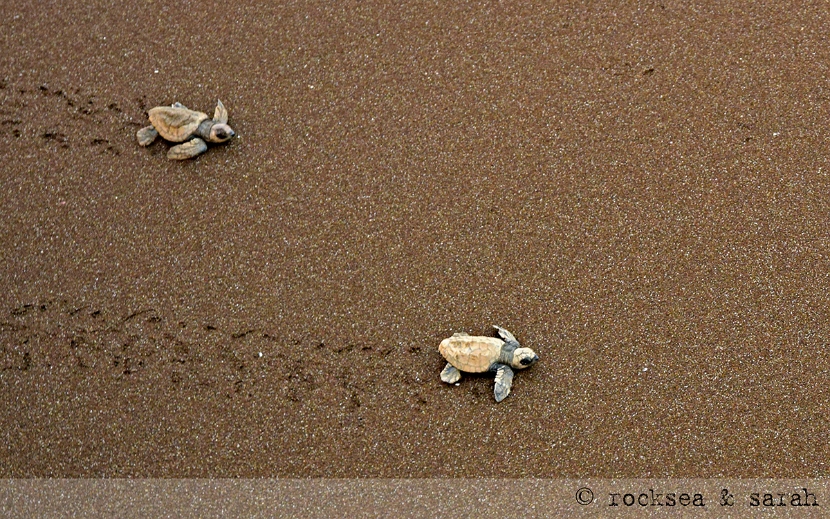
{"x":638,"y":192}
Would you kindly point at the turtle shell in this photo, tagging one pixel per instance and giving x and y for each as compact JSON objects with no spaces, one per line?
{"x":471,"y":354}
{"x":176,"y":124}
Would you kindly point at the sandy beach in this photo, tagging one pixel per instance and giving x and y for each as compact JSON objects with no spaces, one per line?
{"x":640,"y":192}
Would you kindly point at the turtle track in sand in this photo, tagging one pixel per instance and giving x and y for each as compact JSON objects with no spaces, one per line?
{"x":25,"y":110}
{"x":178,"y":353}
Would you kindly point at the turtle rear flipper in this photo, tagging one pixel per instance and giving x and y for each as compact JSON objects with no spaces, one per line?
{"x":187,"y":150}
{"x":146,"y":135}
{"x":504,"y":380}
{"x":450,"y":375}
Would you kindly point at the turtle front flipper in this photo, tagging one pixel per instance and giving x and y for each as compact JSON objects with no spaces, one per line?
{"x":146,"y":135}
{"x":504,"y":380}
{"x":505,"y":335}
{"x":450,"y":375}
{"x":187,"y":150}
{"x":220,"y":115}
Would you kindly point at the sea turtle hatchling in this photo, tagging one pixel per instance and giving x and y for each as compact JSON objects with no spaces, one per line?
{"x":482,"y":354}
{"x":177,"y":123}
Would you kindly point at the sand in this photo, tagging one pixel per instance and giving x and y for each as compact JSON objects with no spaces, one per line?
{"x":638,"y":191}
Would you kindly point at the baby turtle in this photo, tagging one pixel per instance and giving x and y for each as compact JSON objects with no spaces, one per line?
{"x":177,"y":123}
{"x":481,"y":354}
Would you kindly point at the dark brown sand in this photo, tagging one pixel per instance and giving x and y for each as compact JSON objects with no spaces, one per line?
{"x":639,"y":191}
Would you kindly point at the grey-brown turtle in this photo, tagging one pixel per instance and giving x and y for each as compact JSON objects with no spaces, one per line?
{"x":177,"y":123}
{"x":475,"y":354}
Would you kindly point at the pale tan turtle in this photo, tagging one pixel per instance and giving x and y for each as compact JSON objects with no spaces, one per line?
{"x":482,"y":354}
{"x":177,"y":123}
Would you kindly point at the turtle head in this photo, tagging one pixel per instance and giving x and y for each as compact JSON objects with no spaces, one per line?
{"x":220,"y":133}
{"x":524,"y":358}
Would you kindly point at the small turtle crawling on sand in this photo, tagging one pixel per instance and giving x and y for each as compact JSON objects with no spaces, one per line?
{"x":481,"y":354}
{"x":178,"y":123}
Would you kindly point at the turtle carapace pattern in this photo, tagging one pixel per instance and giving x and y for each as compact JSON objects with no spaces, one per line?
{"x":476,"y":354}
{"x":178,"y":123}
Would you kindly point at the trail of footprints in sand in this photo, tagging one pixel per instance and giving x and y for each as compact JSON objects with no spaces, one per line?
{"x":84,"y":340}
{"x":59,"y":336}
{"x":84,"y":120}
